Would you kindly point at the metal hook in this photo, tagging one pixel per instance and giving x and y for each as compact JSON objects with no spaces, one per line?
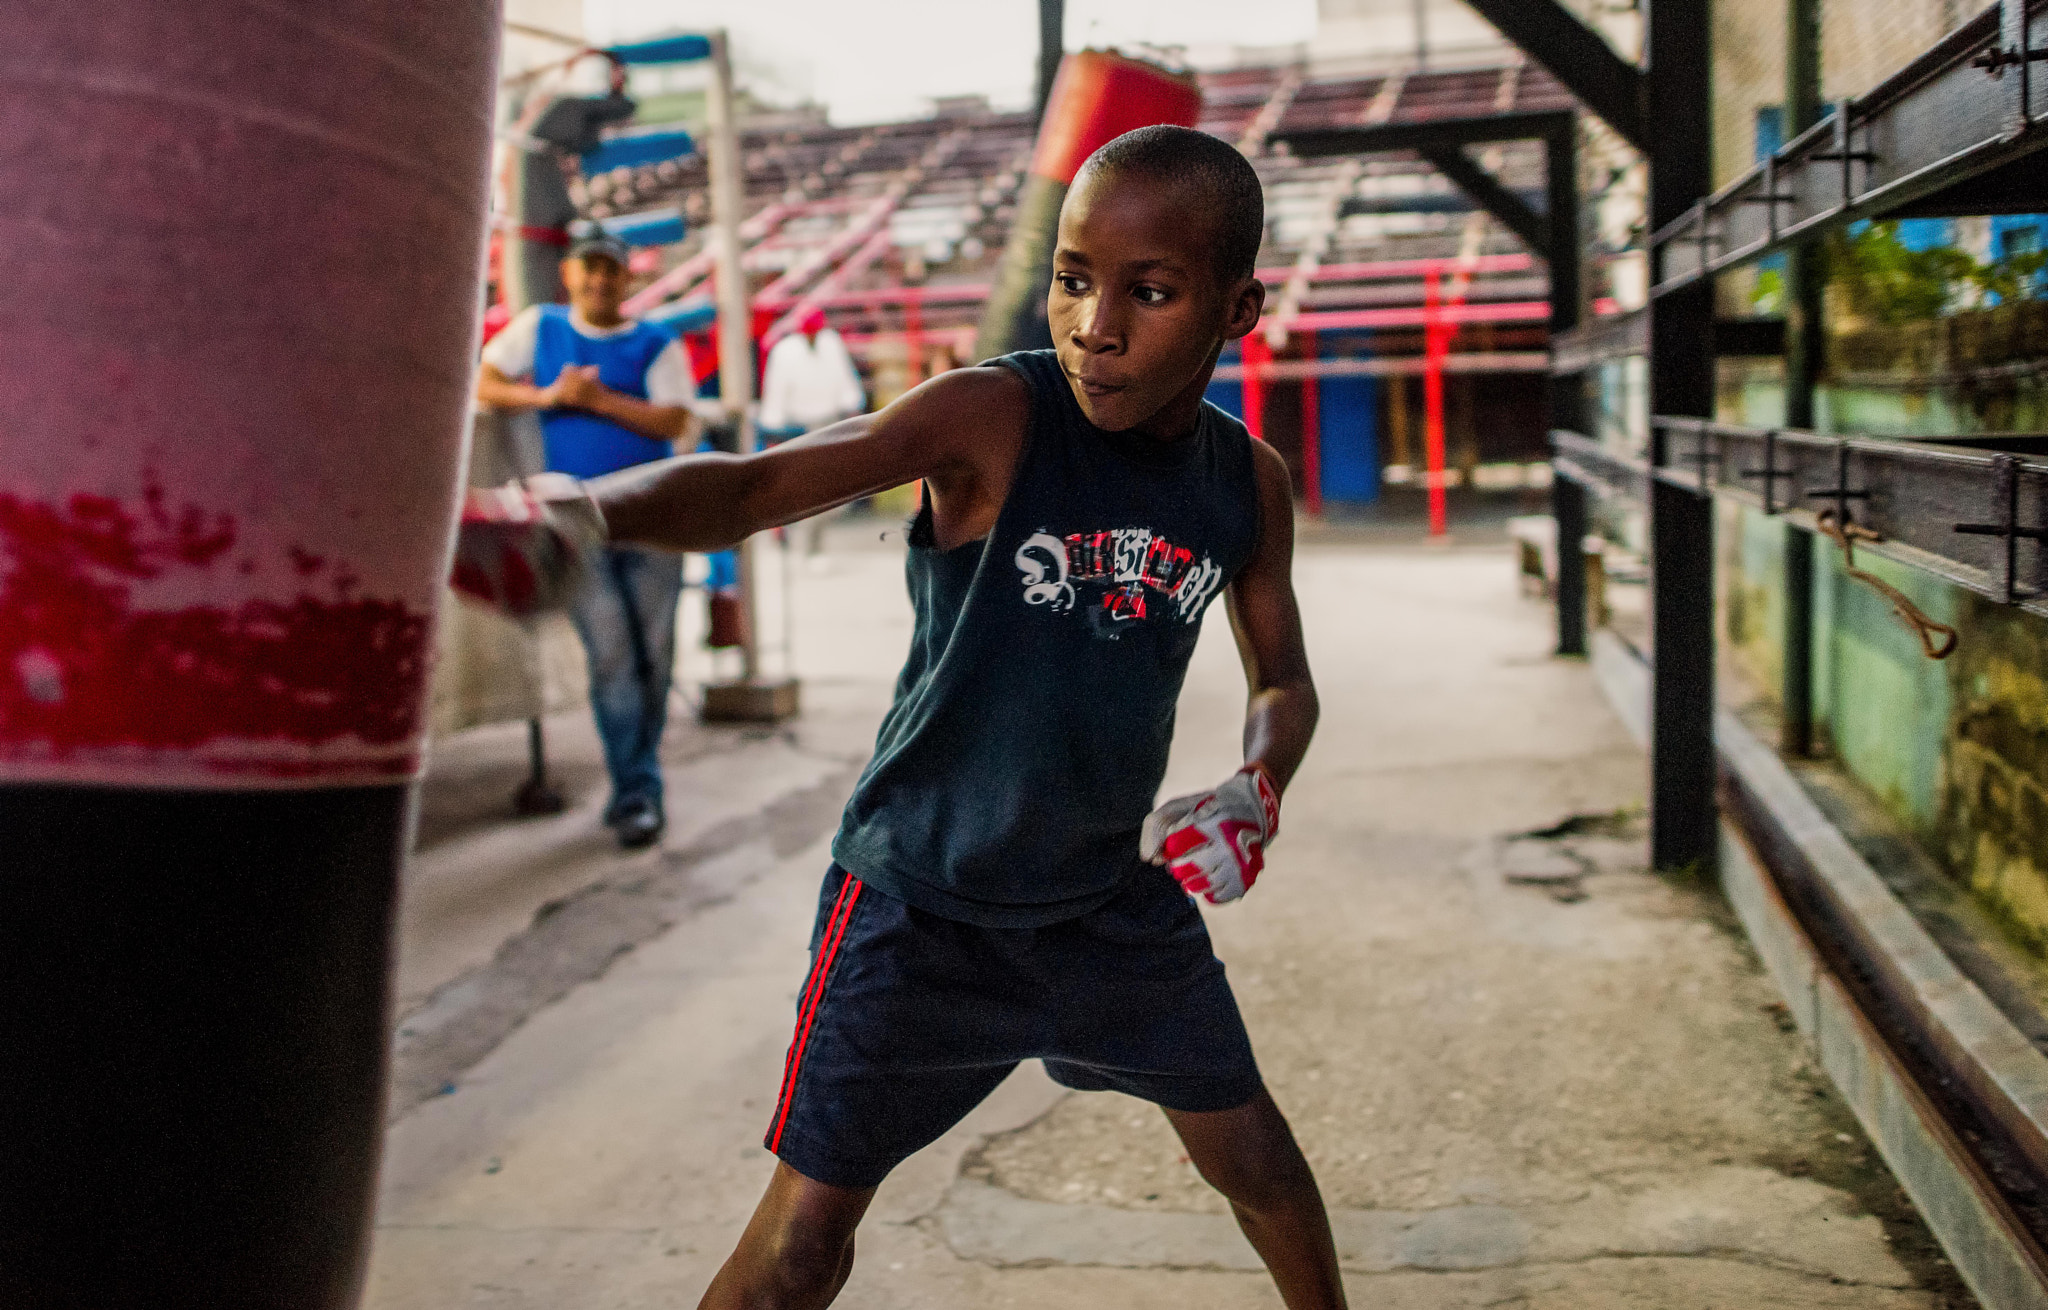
{"x":1843,"y":534}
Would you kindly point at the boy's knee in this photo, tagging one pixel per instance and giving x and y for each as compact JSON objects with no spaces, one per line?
{"x":1262,"y":1177}
{"x":799,"y":1271}
{"x":1257,"y":1164}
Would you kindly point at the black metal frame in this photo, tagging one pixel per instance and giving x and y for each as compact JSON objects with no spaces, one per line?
{"x":1577,"y":56}
{"x":1553,"y":235}
{"x":1684,"y":827}
{"x":1949,"y":134}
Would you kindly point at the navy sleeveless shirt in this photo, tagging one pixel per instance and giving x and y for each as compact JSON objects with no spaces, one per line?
{"x":1032,"y":719}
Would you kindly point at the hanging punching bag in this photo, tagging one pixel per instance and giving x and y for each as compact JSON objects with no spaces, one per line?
{"x":1096,"y":98}
{"x":245,"y":253}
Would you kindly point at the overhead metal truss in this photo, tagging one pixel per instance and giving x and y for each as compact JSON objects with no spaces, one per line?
{"x":1606,"y":83}
{"x":1975,"y":518}
{"x":1552,"y":234}
{"x":1946,"y":134}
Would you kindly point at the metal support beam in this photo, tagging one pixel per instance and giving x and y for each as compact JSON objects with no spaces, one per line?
{"x":1796,"y":720}
{"x":1683,"y":817}
{"x":1580,"y":58}
{"x":1478,"y":129}
{"x":1973,"y":517}
{"x":1804,"y":346}
{"x":1487,"y":193}
{"x":1052,"y":39}
{"x":1568,"y":508}
{"x":1561,"y":191}
{"x":1567,"y":390}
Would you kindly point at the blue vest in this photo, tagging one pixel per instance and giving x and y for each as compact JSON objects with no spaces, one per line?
{"x":584,"y":445}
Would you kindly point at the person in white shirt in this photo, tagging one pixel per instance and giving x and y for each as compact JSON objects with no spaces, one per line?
{"x":809,"y":383}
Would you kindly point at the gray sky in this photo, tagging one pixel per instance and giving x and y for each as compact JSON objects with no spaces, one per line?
{"x":886,"y":59}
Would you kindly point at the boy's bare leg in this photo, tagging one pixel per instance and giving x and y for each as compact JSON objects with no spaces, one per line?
{"x":797,"y":1250}
{"x":1249,"y":1155}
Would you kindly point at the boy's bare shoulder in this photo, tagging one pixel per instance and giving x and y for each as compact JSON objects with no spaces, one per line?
{"x":965,"y":417}
{"x":1270,"y":466}
{"x":972,"y":395}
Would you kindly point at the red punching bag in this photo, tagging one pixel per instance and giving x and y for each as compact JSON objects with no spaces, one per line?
{"x":246,"y":245}
{"x":1096,"y":98}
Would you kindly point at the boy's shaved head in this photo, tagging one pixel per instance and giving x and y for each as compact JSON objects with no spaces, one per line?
{"x":1219,"y":180}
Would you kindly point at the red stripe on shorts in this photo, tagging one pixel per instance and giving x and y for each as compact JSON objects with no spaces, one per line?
{"x":814,"y":992}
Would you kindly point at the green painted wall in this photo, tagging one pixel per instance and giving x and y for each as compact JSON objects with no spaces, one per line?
{"x":1991,"y":827}
{"x":1955,"y":750}
{"x":1923,"y":340}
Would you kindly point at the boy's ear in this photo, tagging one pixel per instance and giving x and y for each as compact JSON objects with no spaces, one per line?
{"x":1247,"y":302}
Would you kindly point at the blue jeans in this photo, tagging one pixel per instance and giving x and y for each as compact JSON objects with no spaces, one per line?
{"x":626,"y":615}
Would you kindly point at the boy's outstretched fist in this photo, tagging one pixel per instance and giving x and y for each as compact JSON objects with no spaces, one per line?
{"x":1214,"y":842}
{"x":522,"y":548}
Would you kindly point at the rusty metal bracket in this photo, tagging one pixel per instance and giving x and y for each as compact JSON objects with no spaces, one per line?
{"x":1996,"y":62}
{"x":2005,"y":503}
{"x":1770,"y":473}
{"x":1706,"y":458}
{"x":1841,"y":493}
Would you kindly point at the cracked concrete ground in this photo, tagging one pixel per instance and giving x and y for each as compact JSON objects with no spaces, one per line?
{"x":1528,"y":1073}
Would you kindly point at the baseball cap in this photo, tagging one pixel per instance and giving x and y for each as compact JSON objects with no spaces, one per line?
{"x":599,"y":242}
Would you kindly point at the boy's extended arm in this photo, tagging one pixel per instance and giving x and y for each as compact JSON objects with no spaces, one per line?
{"x":941,"y":430}
{"x":1280,"y":716}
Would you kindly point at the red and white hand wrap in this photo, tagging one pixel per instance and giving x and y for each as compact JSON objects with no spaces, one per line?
{"x":522,"y":548}
{"x":1214,"y":842}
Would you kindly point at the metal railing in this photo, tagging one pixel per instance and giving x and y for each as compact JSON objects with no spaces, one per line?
{"x":1977,"y":519}
{"x":1967,"y":107}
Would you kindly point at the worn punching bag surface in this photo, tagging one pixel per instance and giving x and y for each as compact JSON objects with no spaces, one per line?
{"x":240,"y":308}
{"x":1096,"y":98}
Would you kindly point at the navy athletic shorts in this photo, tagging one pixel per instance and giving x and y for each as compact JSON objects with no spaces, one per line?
{"x":908,"y":1020}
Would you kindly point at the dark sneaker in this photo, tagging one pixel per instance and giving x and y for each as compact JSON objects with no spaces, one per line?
{"x":638,"y":822}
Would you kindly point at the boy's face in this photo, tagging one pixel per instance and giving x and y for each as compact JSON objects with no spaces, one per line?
{"x":1136,"y":308}
{"x":596,"y":286}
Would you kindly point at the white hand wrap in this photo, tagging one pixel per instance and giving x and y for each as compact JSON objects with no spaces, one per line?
{"x":523,"y":548}
{"x":1214,"y":842}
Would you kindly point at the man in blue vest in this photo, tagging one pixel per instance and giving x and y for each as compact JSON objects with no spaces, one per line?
{"x":612,"y":393}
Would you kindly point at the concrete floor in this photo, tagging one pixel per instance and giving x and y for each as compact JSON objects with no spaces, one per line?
{"x":1528,"y":1073}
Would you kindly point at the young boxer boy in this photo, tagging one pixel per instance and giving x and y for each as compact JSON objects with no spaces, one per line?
{"x":1003,"y":888}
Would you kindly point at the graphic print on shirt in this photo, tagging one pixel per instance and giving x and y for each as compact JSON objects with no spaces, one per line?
{"x":1116,"y":577}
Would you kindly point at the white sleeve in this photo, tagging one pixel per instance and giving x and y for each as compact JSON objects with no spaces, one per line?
{"x":851,"y":399}
{"x":669,"y":380}
{"x":775,"y":384}
{"x":511,"y":351}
